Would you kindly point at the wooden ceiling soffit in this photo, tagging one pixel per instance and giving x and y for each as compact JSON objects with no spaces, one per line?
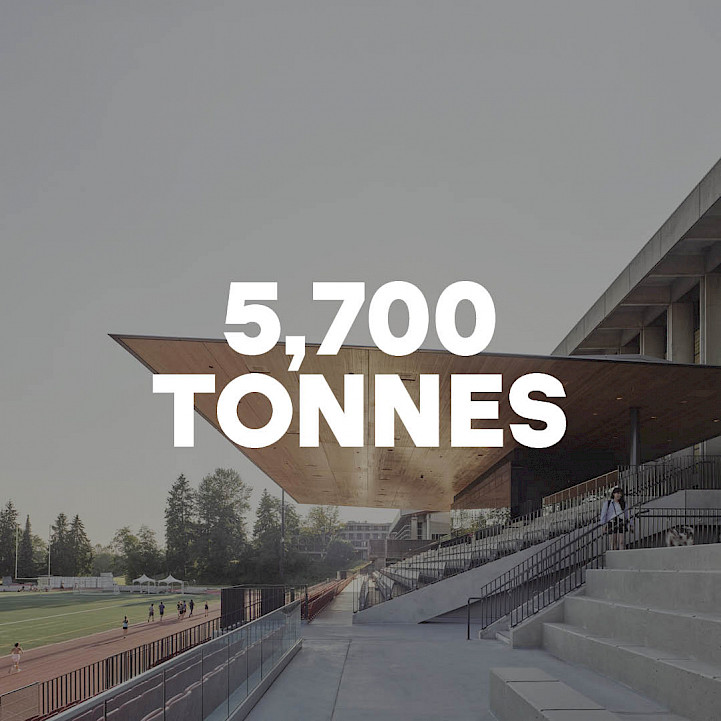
{"x":678,"y":406}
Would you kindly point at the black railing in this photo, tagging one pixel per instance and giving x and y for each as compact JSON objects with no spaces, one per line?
{"x":217,"y":680}
{"x":652,"y":480}
{"x":560,"y":567}
{"x":240,"y":605}
{"x":563,"y":514}
{"x":87,"y":681}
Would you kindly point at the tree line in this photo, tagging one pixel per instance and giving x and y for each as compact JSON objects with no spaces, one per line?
{"x":70,"y":548}
{"x":207,"y":540}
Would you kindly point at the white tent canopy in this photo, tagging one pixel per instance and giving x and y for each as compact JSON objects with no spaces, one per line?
{"x":143,"y":579}
{"x":171,"y":579}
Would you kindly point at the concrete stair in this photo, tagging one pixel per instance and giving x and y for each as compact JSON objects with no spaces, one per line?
{"x":651,"y":620}
{"x":530,"y":694}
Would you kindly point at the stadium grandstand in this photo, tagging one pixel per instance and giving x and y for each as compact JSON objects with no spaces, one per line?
{"x":530,"y":616}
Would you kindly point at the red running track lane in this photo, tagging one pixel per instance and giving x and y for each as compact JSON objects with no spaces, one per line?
{"x":46,"y":662}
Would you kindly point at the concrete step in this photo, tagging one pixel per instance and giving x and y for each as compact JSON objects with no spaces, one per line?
{"x":690,"y":634}
{"x":504,"y":637}
{"x":684,"y":685}
{"x":681,"y":558}
{"x":530,"y":694}
{"x":697,"y":591}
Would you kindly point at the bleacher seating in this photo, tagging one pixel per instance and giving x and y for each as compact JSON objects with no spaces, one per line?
{"x":462,"y":553}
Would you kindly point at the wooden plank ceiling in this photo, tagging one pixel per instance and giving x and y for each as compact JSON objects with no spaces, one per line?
{"x":679,"y":405}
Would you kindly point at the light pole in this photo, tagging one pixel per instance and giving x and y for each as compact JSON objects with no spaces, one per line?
{"x":50,"y":535}
{"x":17,"y":530}
{"x":282,"y":533}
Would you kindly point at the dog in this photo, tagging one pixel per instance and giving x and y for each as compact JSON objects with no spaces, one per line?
{"x":679,"y":536}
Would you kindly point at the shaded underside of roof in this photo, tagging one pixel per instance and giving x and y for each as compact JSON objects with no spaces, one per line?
{"x":679,"y":405}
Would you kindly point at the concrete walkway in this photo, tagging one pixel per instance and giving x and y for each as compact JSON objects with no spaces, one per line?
{"x":424,"y":672}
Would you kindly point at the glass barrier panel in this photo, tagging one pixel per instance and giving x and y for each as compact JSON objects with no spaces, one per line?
{"x":94,"y":713}
{"x":237,"y":667}
{"x":183,"y":689}
{"x":143,"y":700}
{"x":254,"y":654}
{"x":215,"y":679}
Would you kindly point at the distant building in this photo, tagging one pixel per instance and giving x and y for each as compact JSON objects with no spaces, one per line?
{"x":410,"y":525}
{"x":360,"y":533}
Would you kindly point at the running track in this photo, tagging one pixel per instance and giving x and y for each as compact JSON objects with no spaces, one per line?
{"x":46,"y":662}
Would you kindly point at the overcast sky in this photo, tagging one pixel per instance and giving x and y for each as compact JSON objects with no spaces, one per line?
{"x":152,"y":152}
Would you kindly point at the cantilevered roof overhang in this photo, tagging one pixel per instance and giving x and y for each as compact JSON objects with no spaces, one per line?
{"x":683,"y":250}
{"x":679,"y":405}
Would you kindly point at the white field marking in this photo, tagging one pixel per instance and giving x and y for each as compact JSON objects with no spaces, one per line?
{"x":101,"y":628}
{"x":98,"y":629}
{"x":70,"y":613}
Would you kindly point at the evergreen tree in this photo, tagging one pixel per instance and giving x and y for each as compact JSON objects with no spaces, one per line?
{"x":8,"y":532}
{"x":81,"y":549}
{"x":40,"y":554}
{"x":266,"y":529}
{"x":266,"y":538}
{"x":180,"y":527}
{"x":61,"y":548}
{"x":292,"y":526}
{"x":222,"y":502}
{"x":26,"y":562}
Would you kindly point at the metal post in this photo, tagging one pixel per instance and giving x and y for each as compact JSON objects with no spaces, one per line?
{"x":17,"y":530}
{"x":282,"y":533}
{"x":635,"y":446}
{"x":50,"y":535}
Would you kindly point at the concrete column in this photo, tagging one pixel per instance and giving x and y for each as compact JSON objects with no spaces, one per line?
{"x":679,"y":333}
{"x":653,"y":341}
{"x":710,"y":294}
{"x":635,"y":445}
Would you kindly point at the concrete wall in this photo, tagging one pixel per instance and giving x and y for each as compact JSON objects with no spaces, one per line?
{"x":688,"y":499}
{"x":442,"y":597}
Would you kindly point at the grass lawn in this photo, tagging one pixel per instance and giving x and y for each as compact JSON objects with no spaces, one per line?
{"x":36,"y":619}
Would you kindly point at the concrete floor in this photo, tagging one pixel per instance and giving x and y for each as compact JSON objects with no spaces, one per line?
{"x":423,"y":672}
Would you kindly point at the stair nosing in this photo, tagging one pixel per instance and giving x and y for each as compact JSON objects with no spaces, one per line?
{"x":650,"y":652}
{"x":688,"y":613}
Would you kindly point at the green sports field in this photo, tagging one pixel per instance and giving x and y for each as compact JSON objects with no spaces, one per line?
{"x":37,"y":619}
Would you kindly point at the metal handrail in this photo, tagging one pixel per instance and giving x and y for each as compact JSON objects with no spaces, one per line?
{"x":89,"y":680}
{"x":449,"y":557}
{"x":221,"y":675}
{"x":561,"y":567}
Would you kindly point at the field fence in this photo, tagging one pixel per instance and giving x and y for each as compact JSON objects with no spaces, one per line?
{"x":21,"y":704}
{"x":45,"y":698}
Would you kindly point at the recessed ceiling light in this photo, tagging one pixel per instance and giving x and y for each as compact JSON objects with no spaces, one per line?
{"x":653,"y":418}
{"x":619,"y":398}
{"x":684,"y":401}
{"x":715,"y":420}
